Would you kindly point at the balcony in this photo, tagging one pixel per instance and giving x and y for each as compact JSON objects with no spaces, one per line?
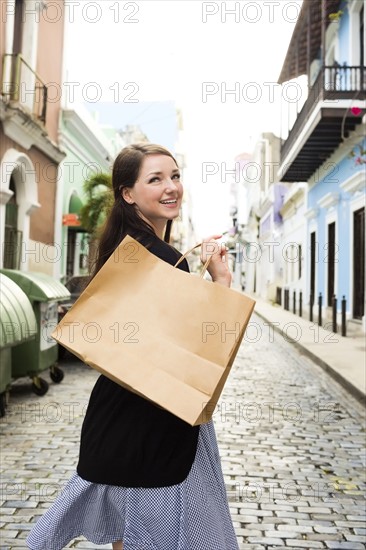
{"x":22,"y":87}
{"x":326,"y":118}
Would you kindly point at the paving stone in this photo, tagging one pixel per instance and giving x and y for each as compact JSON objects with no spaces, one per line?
{"x":294,"y":515}
{"x":321,"y":537}
{"x":9,"y":534}
{"x":247,"y":546}
{"x":304,"y":544}
{"x":274,"y":507}
{"x":345,"y":545}
{"x":91,"y":546}
{"x":19,"y":526}
{"x":356,"y":538}
{"x":251,"y":526}
{"x":14,"y":543}
{"x":283,"y":534}
{"x":278,"y":521}
{"x":267,"y":540}
{"x":297,"y":528}
{"x":20,"y":504}
{"x":325,"y":530}
{"x":248,"y":519}
{"x":334,"y":517}
{"x":290,"y":439}
{"x":259,"y":513}
{"x":350,"y":524}
{"x":314,"y":510}
{"x":9,"y":510}
{"x":248,"y":532}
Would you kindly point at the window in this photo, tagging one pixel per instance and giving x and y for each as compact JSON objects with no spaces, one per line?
{"x":18,"y":26}
{"x":362,"y":36}
{"x":12,"y":241}
{"x":358,"y":263}
{"x":331,"y":261}
{"x":300,"y":260}
{"x":312,"y":264}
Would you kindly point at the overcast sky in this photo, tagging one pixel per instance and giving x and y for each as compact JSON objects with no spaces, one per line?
{"x":193,"y":53}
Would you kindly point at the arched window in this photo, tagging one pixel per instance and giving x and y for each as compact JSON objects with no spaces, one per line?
{"x":12,"y":241}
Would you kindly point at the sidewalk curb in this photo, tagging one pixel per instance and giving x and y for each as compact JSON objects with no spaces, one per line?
{"x":346,"y":384}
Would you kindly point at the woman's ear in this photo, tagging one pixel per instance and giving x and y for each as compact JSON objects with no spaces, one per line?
{"x":126,"y":194}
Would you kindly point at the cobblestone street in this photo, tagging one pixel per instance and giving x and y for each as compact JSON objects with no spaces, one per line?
{"x":292,"y":444}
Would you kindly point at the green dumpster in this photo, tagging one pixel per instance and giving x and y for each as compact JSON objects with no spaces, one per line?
{"x":33,"y":357}
{"x":17,"y":325}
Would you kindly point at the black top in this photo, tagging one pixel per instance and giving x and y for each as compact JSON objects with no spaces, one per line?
{"x":127,"y":440}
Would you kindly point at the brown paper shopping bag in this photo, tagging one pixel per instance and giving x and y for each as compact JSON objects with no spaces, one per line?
{"x":158,"y":331}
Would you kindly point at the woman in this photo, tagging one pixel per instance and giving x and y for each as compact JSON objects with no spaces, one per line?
{"x":146,"y":480}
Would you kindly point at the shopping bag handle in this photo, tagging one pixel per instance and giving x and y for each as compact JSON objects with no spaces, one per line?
{"x":205,"y":265}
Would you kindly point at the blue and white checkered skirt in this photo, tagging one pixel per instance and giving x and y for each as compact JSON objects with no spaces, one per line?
{"x":193,"y":515}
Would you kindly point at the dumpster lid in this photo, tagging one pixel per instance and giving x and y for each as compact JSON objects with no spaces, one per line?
{"x":17,"y":320}
{"x":38,"y":286}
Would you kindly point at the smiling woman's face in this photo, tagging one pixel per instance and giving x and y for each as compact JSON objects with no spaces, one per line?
{"x":157,"y":193}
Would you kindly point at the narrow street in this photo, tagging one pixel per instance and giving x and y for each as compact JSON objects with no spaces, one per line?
{"x":292,"y":443}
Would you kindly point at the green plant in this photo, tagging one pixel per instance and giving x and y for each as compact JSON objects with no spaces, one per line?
{"x":336,"y":15}
{"x":98,"y":190}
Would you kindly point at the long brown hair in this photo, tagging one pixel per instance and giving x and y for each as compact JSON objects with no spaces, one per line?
{"x":123,"y":218}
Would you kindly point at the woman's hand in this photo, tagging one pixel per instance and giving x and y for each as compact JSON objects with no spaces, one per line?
{"x":218,"y":266}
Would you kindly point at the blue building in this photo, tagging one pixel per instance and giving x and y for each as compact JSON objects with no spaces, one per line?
{"x":326,"y":149}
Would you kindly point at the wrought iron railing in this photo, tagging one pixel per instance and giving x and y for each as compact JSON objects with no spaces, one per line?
{"x":343,"y":78}
{"x":333,"y":83}
{"x":22,"y":85}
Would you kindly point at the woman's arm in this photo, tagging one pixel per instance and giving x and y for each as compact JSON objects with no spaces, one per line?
{"x":218,"y":266}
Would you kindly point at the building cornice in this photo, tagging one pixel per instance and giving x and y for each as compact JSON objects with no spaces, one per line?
{"x":330,"y":199}
{"x":291,"y":206}
{"x":311,"y":213}
{"x":265,"y":206}
{"x":71,"y":143}
{"x":293,"y":199}
{"x":74,"y":125}
{"x":288,"y":209}
{"x":355,"y":183}
{"x":26,"y":132}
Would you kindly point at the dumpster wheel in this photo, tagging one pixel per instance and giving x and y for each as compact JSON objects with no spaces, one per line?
{"x":56,"y":374}
{"x":39,"y":386}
